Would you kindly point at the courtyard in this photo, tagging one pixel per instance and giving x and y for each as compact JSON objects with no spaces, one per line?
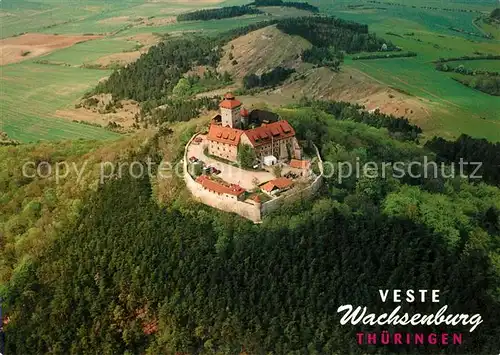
{"x":248,"y":179}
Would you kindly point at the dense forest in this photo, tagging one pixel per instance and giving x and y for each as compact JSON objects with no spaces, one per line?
{"x":469,"y":57}
{"x":494,"y":16}
{"x":343,"y":35}
{"x":399,"y":127}
{"x":323,"y":56}
{"x":271,"y":78}
{"x":129,"y":276}
{"x":216,"y":14}
{"x":181,"y":109}
{"x":298,"y":5}
{"x":154,"y":75}
{"x":470,"y":150}
{"x":385,"y":56}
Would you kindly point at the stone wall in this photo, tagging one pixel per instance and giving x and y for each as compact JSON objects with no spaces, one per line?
{"x":251,"y":211}
{"x":244,"y":209}
{"x":307,"y":192}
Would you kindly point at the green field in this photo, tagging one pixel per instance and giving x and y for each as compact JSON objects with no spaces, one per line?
{"x":19,"y":16}
{"x":89,"y":51}
{"x":457,"y":109}
{"x":488,"y":65}
{"x":205,"y":27}
{"x":31,"y":93}
{"x":77,"y":17}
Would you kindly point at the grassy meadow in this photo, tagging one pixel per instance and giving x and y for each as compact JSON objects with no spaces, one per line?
{"x":454,"y":108}
{"x":30,"y":95}
{"x":87,"y":52}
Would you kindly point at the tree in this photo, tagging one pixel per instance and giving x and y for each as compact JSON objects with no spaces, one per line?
{"x":183,"y":88}
{"x":246,"y":155}
{"x":250,"y":81}
{"x":226,"y":77}
{"x":495,"y":14}
{"x":277,"y":170}
{"x":195,"y":169}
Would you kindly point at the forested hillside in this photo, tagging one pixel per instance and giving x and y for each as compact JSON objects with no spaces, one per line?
{"x":224,"y":12}
{"x":470,"y":149}
{"x":155,"y":75}
{"x":296,"y":4}
{"x":495,"y":15}
{"x":343,"y":35}
{"x":129,"y":276}
{"x":157,"y":78}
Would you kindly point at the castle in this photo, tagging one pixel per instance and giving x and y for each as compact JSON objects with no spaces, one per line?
{"x":235,"y":126}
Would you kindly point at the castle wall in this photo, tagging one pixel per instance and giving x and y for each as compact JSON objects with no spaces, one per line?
{"x":222,"y":202}
{"x":250,"y":210}
{"x":307,"y":192}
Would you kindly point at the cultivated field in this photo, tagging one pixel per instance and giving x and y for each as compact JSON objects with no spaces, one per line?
{"x":88,"y":52}
{"x":33,"y":96}
{"x":17,"y":49}
{"x":427,"y":32}
{"x":30,"y":95}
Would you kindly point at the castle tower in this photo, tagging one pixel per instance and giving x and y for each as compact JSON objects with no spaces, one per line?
{"x":230,"y":111}
{"x":245,"y":118}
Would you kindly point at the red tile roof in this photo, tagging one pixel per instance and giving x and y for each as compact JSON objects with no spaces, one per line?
{"x":255,"y":198}
{"x":226,"y":135}
{"x":244,"y":112}
{"x":300,"y":164}
{"x":214,"y":186}
{"x":267,"y":133}
{"x":230,"y":102}
{"x":280,"y":183}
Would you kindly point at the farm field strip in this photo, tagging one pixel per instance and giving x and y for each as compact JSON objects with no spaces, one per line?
{"x":459,"y":109}
{"x":212,"y":26}
{"x":31,"y":94}
{"x":87,"y":52}
{"x":25,"y":16}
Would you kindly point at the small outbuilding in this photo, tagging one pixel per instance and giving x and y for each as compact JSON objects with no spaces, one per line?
{"x":269,"y":160}
{"x":300,"y":164}
{"x":277,"y":185}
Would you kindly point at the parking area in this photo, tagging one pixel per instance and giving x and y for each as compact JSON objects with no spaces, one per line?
{"x":245,"y":178}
